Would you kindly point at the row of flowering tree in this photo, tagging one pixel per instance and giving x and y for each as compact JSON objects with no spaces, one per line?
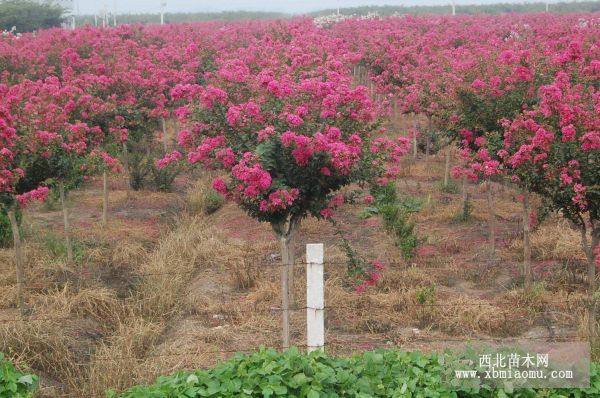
{"x":287,"y":127}
{"x":520,"y":100}
{"x":45,"y":145}
{"x":275,"y":106}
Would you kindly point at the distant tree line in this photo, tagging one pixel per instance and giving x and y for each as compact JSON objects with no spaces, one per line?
{"x":182,"y":17}
{"x":28,"y":15}
{"x":563,"y":7}
{"x":499,"y":8}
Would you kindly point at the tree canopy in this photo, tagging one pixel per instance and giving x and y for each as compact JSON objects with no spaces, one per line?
{"x":27,"y":15}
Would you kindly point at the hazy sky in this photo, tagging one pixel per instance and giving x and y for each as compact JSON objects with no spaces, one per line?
{"x":289,"y":6}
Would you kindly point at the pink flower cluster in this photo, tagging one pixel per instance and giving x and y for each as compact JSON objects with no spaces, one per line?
{"x":39,"y":194}
{"x":169,"y":159}
{"x":251,"y":177}
{"x":279,"y":200}
{"x":372,"y":277}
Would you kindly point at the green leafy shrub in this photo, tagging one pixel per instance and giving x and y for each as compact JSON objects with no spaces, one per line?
{"x":213,"y":201}
{"x":425,"y":311}
{"x":452,"y":187}
{"x":14,"y":384}
{"x":56,"y":245}
{"x":6,"y":237}
{"x":164,"y":178}
{"x":396,"y":220}
{"x":382,"y":373}
{"x":202,"y":199}
{"x":396,"y":213}
{"x":464,"y":216}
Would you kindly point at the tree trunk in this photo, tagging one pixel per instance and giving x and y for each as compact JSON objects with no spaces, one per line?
{"x":465,"y":199}
{"x":63,"y":202}
{"x":104,"y":198}
{"x":165,"y":139}
{"x":589,"y":253}
{"x":414,"y":137}
{"x":285,"y":234}
{"x":527,"y":277}
{"x":428,"y":138}
{"x":126,"y":166}
{"x":447,"y":166}
{"x":286,"y":288}
{"x":492,"y":219}
{"x":14,"y":225}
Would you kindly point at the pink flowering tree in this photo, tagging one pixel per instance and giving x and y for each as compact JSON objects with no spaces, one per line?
{"x":493,"y":92}
{"x":554,"y":150}
{"x":542,"y":132}
{"x":287,"y":142}
{"x":15,"y":190}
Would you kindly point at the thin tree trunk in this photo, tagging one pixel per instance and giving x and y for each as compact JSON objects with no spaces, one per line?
{"x":589,"y":253}
{"x":165,"y":139}
{"x":285,"y":290}
{"x":104,"y":198}
{"x":14,"y":225}
{"x":414,"y":136}
{"x":492,"y":219}
{"x":126,"y":166}
{"x":63,"y":202}
{"x":285,"y":234}
{"x":465,"y":198}
{"x":447,"y":166}
{"x":527,"y":277}
{"x":428,"y":138}
{"x":290,"y":266}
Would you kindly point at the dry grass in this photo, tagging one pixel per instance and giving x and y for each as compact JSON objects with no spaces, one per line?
{"x":115,"y":363}
{"x":164,"y":296}
{"x":553,"y":240}
{"x":46,"y":346}
{"x":407,"y":279}
{"x":192,"y":246}
{"x":468,"y":316}
{"x":201,"y":198}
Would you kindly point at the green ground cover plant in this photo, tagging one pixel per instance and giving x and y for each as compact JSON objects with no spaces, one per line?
{"x":15,"y":384}
{"x":382,"y":373}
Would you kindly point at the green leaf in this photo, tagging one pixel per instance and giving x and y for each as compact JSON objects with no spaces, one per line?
{"x":313,"y":394}
{"x":26,"y":379}
{"x":192,"y":379}
{"x":267,"y":392}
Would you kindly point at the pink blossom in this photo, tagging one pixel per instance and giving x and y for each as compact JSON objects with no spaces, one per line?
{"x":220,"y":186}
{"x":39,"y":194}
{"x":168,"y":159}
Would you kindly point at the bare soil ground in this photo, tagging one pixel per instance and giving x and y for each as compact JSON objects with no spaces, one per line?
{"x":165,"y":287}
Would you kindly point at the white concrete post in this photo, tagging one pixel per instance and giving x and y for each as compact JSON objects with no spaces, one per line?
{"x":315,"y":298}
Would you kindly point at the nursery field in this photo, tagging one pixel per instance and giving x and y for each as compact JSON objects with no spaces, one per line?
{"x":165,"y":287}
{"x":158,"y":186}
